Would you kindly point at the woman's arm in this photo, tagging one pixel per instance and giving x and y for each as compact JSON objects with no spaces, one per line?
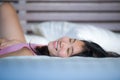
{"x":11,"y":30}
{"x":10,"y":25}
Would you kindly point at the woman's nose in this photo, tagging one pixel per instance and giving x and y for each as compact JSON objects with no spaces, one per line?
{"x":63,"y":44}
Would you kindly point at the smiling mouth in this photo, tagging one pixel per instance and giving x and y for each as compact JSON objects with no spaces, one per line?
{"x":56,"y":45}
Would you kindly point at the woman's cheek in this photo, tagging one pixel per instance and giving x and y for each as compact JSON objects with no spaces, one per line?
{"x":62,"y":53}
{"x":51,"y":49}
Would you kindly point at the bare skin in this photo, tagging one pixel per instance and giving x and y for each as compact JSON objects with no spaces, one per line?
{"x":12,"y":33}
{"x":11,"y":30}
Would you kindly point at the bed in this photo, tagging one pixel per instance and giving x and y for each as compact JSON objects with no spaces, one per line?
{"x":94,"y":20}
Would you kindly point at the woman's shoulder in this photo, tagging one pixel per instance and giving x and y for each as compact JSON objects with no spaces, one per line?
{"x":24,"y":52}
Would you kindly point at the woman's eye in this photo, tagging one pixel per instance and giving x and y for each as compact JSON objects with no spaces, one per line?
{"x":69,"y":51}
{"x":70,"y":40}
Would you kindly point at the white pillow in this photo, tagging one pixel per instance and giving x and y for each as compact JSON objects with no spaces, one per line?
{"x":105,"y":38}
{"x":36,"y":39}
{"x":53,"y":30}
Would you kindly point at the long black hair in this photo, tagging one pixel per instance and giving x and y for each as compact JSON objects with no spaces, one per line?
{"x":91,"y":49}
{"x":42,"y":50}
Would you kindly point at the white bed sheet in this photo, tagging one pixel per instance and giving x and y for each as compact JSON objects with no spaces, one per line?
{"x":54,"y":68}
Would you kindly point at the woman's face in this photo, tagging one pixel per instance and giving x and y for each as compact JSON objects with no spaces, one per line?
{"x":65,"y":47}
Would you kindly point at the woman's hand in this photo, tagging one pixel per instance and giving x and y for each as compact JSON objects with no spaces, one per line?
{"x":5,"y":43}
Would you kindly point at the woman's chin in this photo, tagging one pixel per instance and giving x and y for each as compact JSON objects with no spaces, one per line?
{"x":51,"y":47}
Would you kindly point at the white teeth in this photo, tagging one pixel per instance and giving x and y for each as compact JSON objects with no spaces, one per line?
{"x":56,"y":44}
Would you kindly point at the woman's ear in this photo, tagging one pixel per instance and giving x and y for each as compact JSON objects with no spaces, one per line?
{"x":95,"y":54}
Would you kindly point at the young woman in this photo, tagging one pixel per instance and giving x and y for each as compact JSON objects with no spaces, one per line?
{"x":13,"y":43}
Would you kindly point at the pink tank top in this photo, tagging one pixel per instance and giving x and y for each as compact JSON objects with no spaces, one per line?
{"x":17,"y":47}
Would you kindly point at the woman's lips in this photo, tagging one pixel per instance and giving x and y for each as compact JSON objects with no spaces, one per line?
{"x":54,"y":44}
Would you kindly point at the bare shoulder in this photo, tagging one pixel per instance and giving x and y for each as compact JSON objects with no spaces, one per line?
{"x":25,"y":51}
{"x":22,"y":52}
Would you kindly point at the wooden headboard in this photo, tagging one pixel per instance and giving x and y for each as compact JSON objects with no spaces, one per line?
{"x":101,"y":13}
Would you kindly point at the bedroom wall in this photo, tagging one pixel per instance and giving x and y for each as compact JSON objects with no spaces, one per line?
{"x":101,"y":13}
